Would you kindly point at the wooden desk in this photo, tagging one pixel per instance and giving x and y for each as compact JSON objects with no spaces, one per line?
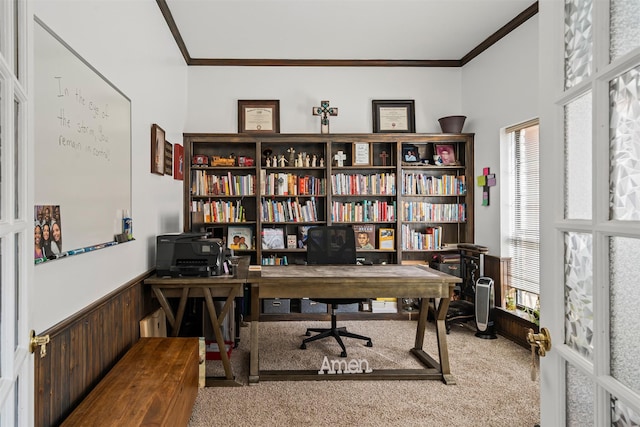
{"x":226,"y":286}
{"x":354,"y":281}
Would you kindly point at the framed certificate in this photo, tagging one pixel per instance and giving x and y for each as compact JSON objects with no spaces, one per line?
{"x":361,"y":154}
{"x":259,"y":116}
{"x":393,"y":116}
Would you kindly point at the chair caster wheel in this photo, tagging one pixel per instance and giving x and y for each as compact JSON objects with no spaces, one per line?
{"x":369,"y":344}
{"x":303,"y":346}
{"x":343,"y":354}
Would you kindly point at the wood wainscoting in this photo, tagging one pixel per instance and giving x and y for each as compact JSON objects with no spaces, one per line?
{"x":84,"y":347}
{"x":508,"y":324}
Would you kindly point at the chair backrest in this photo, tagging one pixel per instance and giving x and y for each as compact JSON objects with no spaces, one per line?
{"x":331,"y":244}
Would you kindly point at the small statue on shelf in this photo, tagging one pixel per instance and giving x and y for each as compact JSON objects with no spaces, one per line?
{"x":298,"y":162}
{"x":314,"y":161}
{"x":282,"y":162}
{"x":292,"y":155}
{"x":307,"y":161}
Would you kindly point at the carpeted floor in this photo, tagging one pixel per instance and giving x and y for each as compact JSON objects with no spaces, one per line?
{"x":494,"y":386}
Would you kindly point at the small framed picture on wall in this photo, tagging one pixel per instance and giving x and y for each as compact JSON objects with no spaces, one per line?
{"x":157,"y":149}
{"x":168,"y":158}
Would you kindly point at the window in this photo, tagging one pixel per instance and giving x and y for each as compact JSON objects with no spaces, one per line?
{"x":520,"y":211}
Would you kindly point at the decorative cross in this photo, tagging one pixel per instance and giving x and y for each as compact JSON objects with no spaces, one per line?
{"x":340,"y":158}
{"x":383,"y":157}
{"x":324,"y":111}
{"x":486,"y":180}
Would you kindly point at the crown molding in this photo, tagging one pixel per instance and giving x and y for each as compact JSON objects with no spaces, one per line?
{"x":440,"y":63}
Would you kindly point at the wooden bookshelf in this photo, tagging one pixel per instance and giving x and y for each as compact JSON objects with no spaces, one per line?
{"x":290,"y":182}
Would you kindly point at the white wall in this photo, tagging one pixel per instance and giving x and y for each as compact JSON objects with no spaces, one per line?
{"x":214,"y":93}
{"x":499,"y":89}
{"x":131,"y":45}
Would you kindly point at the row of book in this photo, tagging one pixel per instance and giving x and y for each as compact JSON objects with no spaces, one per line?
{"x":434,"y":212}
{"x":288,"y":184}
{"x":416,"y":240}
{"x":427,"y":185}
{"x":275,"y":260}
{"x":290,"y":210}
{"x":364,"y":211}
{"x":359,"y":184}
{"x":203,"y":184}
{"x":220,"y":211}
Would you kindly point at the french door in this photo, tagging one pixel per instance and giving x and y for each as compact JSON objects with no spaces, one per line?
{"x":590,"y":211}
{"x":16,"y":219}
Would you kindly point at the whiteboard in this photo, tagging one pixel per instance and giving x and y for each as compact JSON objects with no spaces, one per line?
{"x":82,"y":143}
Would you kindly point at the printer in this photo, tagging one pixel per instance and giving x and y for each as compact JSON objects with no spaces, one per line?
{"x":189,"y":254}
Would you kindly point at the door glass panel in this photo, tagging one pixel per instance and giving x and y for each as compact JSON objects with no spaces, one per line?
{"x":579,"y":391}
{"x":624,"y":276}
{"x":622,"y":415}
{"x":624,"y":16}
{"x":1,"y":149}
{"x":578,"y":293}
{"x":577,"y":146}
{"x":624,"y":148}
{"x":17,"y":284}
{"x":16,"y":38}
{"x":1,"y":303}
{"x":578,"y":52}
{"x":17,"y":182}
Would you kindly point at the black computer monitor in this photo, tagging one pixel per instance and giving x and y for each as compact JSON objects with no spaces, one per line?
{"x":333,"y":244}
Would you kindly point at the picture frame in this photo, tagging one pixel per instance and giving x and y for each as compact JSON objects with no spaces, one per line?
{"x":240,"y":238}
{"x":178,"y":162}
{"x":365,"y":236}
{"x":273,"y":238}
{"x":157,"y":149}
{"x":361,"y":154}
{"x":168,"y":158}
{"x":386,"y":238}
{"x":410,"y":153}
{"x":259,"y":116}
{"x":393,"y":116}
{"x":447,"y":153}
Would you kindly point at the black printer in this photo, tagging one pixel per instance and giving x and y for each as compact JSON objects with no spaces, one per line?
{"x":189,"y":254}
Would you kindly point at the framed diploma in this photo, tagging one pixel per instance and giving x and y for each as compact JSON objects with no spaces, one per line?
{"x":259,"y":116}
{"x":361,"y":154}
{"x":393,"y":116}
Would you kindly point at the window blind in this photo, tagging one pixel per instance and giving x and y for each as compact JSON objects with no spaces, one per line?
{"x":523,"y":241}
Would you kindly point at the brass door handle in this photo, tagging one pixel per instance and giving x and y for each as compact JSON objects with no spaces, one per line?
{"x":542,"y":341}
{"x":40,"y":341}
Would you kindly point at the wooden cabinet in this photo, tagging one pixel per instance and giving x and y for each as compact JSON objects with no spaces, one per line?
{"x":270,"y":188}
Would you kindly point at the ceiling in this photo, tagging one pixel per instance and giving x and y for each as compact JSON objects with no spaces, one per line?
{"x":340,"y":32}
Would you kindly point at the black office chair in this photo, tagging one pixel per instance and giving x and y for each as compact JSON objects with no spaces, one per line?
{"x":328,"y":245}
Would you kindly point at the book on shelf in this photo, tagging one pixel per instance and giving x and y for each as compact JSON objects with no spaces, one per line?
{"x":303,"y":231}
{"x":273,"y":238}
{"x":386,"y":238}
{"x":292,"y":241}
{"x":365,"y":236}
{"x":240,"y":238}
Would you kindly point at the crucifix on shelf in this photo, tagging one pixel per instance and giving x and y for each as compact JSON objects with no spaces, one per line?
{"x":383,"y":157}
{"x":340,"y":158}
{"x":324,"y":111}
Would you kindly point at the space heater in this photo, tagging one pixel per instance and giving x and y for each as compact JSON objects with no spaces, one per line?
{"x":484,"y":308}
